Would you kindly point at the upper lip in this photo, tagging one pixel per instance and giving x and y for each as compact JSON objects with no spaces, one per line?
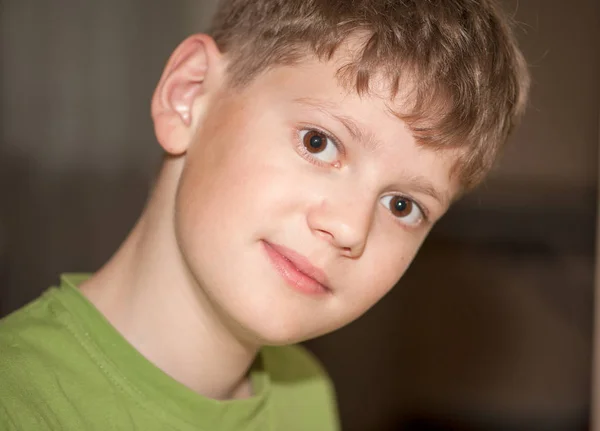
{"x":302,"y":263}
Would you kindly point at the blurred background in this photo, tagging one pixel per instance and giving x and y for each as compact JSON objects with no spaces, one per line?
{"x":491,"y":327}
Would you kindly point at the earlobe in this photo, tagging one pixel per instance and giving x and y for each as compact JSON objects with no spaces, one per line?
{"x":193,"y":71}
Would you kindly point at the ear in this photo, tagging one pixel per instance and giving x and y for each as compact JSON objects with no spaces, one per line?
{"x":194,"y":70}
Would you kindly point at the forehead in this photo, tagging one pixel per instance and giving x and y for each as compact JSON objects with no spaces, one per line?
{"x":312,"y":92}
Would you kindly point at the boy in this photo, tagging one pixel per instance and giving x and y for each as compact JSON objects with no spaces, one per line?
{"x":310,"y":146}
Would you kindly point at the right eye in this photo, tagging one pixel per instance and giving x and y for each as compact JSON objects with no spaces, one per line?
{"x":404,"y":209}
{"x":318,"y":145}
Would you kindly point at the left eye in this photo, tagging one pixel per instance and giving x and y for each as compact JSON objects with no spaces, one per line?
{"x":404,"y":209}
{"x":319,"y":145}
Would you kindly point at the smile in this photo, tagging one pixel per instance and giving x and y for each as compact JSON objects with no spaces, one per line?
{"x":297,"y":270}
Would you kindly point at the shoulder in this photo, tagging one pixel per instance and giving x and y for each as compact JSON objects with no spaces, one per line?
{"x":30,"y":330}
{"x":24,"y":362}
{"x":35,"y":345}
{"x":30,"y":339}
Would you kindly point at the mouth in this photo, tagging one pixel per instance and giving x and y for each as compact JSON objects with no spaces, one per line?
{"x":297,"y":270}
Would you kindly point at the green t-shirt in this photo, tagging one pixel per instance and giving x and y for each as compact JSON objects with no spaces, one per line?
{"x":64,"y":367}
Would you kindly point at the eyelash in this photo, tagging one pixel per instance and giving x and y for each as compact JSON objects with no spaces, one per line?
{"x":334,"y":140}
{"x":423,"y":210}
{"x":340,"y":148}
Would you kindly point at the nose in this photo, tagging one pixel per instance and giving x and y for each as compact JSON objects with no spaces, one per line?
{"x":345,"y":223}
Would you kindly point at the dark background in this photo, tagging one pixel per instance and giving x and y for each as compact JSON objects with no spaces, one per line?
{"x":491,"y":327}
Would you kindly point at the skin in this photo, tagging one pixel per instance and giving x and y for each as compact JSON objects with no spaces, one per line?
{"x":192,"y":287}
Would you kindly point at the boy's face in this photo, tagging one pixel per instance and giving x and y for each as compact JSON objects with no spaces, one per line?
{"x":301,"y":204}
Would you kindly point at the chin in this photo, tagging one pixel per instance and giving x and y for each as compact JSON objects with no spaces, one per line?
{"x":260,"y":307}
{"x":272,"y":329}
{"x":278,"y":324}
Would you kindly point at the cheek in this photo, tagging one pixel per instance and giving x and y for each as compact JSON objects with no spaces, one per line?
{"x":383,"y":264}
{"x":235,"y":187}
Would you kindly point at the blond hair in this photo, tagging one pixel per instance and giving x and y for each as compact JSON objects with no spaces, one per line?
{"x":469,"y":80}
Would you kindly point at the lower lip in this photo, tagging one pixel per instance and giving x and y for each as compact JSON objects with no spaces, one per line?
{"x":294,"y":277}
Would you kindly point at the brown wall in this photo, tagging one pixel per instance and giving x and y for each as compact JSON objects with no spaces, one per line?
{"x":595,"y":412}
{"x":557,"y":144}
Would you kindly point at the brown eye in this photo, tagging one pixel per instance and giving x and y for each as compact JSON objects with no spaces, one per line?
{"x":404,"y":209}
{"x":316,"y":145}
{"x":401,"y":207}
{"x":314,"y":141}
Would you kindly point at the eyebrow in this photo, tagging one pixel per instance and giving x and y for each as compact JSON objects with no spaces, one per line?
{"x":418,"y":183}
{"x":423,"y":185}
{"x":357,"y":133}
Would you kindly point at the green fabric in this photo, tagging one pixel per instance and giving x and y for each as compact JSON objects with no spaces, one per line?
{"x":64,"y":367}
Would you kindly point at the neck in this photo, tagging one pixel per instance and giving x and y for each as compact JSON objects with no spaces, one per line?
{"x":148,"y":294}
